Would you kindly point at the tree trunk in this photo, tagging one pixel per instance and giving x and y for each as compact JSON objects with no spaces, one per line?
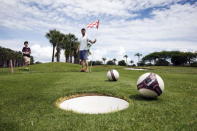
{"x":76,"y":58}
{"x":70,"y":58}
{"x":189,"y":60}
{"x":7,"y":63}
{"x":67,"y":58}
{"x":1,"y":62}
{"x":58,"y":54}
{"x":14,"y":63}
{"x":53,"y":54}
{"x":58,"y":58}
{"x":154,"y":60}
{"x":11,"y":66}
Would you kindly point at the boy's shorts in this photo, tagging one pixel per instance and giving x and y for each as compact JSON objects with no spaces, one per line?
{"x":83,"y":54}
{"x":27,"y":59}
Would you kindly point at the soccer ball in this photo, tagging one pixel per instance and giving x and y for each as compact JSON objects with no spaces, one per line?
{"x":150,"y":85}
{"x":112,"y":75}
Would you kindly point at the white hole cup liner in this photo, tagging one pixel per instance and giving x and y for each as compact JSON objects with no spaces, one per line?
{"x":96,"y":104}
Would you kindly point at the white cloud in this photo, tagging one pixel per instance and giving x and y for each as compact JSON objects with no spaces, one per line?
{"x":41,"y":53}
{"x":14,"y":44}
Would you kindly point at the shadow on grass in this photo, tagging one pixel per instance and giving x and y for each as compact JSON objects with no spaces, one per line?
{"x":109,"y":81}
{"x":5,"y":126}
{"x":24,"y":69}
{"x":142,"y":98}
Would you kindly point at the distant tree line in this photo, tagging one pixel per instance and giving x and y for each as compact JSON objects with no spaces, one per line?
{"x":165,"y":58}
{"x":7,"y":54}
{"x":67,"y":42}
{"x":109,"y":62}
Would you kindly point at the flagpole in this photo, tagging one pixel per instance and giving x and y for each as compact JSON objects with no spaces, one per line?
{"x":92,"y":25}
{"x":97,"y":29}
{"x":95,"y":38}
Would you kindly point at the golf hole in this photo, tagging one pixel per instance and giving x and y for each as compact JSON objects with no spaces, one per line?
{"x":93,"y":104}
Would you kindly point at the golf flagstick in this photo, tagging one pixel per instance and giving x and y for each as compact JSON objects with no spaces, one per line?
{"x":91,"y":25}
{"x":90,"y":70}
{"x":92,"y":51}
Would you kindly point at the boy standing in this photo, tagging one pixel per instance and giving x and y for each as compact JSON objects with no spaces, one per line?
{"x":83,"y":50}
{"x":26,"y":54}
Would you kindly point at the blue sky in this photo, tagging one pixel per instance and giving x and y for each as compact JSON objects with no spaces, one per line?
{"x":126,"y":26}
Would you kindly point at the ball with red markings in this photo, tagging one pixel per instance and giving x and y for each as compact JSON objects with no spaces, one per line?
{"x":112,"y":75}
{"x":150,"y":85}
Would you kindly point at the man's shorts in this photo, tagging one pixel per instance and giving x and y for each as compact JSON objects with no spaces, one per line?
{"x":26,"y":59}
{"x":83,"y":54}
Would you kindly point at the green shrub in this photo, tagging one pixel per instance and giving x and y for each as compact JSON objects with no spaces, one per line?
{"x":141,"y":63}
{"x":178,"y":59}
{"x":194,"y":64}
{"x":96,"y":62}
{"x":110,"y":62}
{"x":122,"y":63}
{"x":162,"y":62}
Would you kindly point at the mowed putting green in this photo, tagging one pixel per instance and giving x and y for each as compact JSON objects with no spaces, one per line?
{"x":28,"y":99}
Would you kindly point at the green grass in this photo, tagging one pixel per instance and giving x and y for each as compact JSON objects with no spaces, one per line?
{"x":27,"y":99}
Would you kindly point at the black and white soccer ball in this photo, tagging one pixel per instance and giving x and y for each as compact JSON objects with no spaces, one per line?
{"x":112,"y":75}
{"x":150,"y":85}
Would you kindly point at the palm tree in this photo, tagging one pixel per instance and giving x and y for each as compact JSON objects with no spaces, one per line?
{"x":59,"y":46}
{"x":66,"y":51}
{"x":66,"y":47}
{"x":52,"y":35}
{"x":126,"y":56}
{"x":131,"y":61}
{"x":7,"y":55}
{"x":76,"y":53}
{"x":138,"y":55}
{"x":70,"y":45}
{"x":114,"y":60}
{"x":104,"y":59}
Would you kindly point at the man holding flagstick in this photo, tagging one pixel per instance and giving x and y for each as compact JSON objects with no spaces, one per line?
{"x":83,"y":50}
{"x":84,"y":46}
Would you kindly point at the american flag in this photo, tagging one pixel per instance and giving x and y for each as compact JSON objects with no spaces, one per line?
{"x":93,"y":24}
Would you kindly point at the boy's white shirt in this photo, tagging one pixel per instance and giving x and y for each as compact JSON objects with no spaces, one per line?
{"x":84,"y":43}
